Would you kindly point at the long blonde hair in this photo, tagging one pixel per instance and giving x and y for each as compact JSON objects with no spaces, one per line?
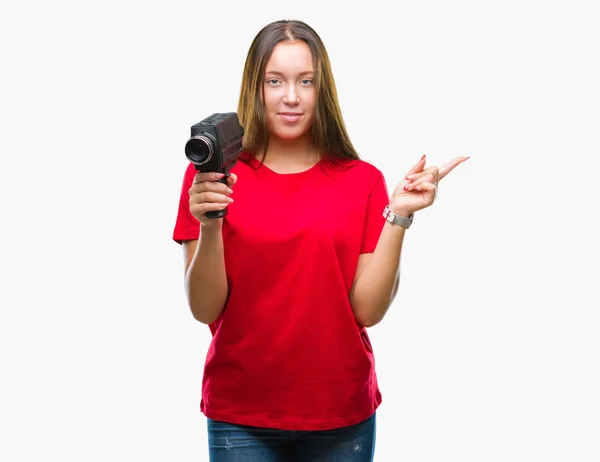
{"x":329,"y":135}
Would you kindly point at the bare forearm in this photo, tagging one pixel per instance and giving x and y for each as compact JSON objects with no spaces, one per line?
{"x":205,"y":280}
{"x":376,"y":287}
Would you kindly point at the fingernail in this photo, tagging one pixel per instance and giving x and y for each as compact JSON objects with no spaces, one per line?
{"x":218,"y":176}
{"x":229,"y":191}
{"x":230,"y":199}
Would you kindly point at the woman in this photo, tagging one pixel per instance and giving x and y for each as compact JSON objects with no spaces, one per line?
{"x":301,"y":265}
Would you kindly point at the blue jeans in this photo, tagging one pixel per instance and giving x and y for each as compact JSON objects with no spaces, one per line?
{"x":241,"y":443}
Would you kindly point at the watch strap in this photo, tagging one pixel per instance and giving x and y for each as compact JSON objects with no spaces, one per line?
{"x":390,"y":216}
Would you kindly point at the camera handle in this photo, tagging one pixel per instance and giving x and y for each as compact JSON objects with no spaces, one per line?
{"x":218,"y":213}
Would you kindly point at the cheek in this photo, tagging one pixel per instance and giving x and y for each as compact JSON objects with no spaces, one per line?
{"x":271,"y":100}
{"x":310,"y":100}
{"x":310,"y":107}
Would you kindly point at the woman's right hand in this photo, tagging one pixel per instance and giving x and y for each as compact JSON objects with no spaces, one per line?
{"x":207,"y":195}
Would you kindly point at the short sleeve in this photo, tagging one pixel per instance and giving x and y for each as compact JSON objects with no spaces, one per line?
{"x":187,"y":226}
{"x":374,"y":220}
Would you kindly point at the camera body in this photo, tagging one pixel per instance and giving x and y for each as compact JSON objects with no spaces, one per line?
{"x":215,"y":145}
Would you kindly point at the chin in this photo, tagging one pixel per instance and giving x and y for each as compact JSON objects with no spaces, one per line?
{"x":290,"y":135}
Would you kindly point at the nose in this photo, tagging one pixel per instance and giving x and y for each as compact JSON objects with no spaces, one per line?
{"x":290,"y":96}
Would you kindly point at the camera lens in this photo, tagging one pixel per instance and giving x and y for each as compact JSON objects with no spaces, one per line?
{"x":199,"y":149}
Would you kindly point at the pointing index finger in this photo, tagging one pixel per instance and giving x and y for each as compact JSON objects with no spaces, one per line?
{"x":448,"y":167}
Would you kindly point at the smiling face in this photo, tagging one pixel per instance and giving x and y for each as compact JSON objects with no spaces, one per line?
{"x":289,"y":90}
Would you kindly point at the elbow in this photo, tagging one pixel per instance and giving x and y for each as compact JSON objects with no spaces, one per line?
{"x":206,"y":314}
{"x":203,"y":318}
{"x":370,"y":310}
{"x":369,"y":321}
{"x":205,"y":309}
{"x":368,"y":316}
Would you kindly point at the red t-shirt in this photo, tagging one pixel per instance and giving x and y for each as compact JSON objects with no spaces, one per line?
{"x":286,"y":351}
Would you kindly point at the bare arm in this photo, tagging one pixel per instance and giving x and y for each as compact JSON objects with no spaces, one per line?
{"x":377,"y":277}
{"x":205,"y":278}
{"x":378,"y":274}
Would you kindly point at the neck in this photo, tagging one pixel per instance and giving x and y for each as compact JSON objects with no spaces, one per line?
{"x":298,"y":152}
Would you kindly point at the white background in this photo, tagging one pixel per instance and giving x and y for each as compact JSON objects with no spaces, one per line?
{"x":491,"y":350}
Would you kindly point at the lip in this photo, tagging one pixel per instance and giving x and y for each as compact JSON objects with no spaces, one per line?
{"x":290,"y":117}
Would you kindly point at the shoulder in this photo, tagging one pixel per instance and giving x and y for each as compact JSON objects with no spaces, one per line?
{"x":369,"y":170}
{"x":357,"y":170}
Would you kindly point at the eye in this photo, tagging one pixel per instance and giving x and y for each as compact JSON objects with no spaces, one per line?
{"x":306,"y":81}
{"x":273,"y":81}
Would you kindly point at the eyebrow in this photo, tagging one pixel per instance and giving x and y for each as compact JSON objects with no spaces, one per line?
{"x":279,"y":74}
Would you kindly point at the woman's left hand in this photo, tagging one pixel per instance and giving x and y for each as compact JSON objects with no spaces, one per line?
{"x":418,"y":190}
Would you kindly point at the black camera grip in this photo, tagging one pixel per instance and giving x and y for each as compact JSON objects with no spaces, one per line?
{"x":218,"y":213}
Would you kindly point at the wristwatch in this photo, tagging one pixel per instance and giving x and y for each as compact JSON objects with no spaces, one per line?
{"x":390,"y":216}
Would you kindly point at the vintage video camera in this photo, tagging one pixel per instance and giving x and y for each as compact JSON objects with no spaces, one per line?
{"x":215,"y":146}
